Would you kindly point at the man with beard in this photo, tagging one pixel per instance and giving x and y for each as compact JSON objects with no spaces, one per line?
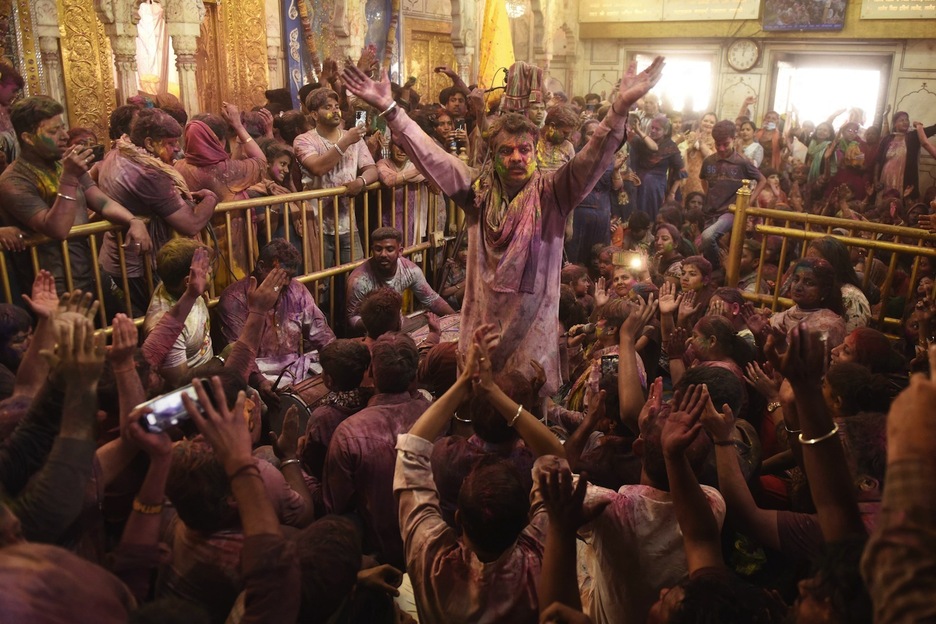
{"x":47,"y":190}
{"x":515,"y":216}
{"x":387,"y":268}
{"x":554,"y":148}
{"x":334,"y":157}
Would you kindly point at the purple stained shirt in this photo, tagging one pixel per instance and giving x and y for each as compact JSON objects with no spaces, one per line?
{"x":293,"y":331}
{"x":527,"y":316}
{"x":364,"y":280}
{"x":450,"y":584}
{"x":358,"y":472}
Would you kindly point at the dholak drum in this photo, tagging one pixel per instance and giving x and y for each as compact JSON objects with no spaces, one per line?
{"x":448,"y":327}
{"x":305,"y":395}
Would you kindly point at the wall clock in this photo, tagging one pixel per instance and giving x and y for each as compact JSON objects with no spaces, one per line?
{"x":743,"y":54}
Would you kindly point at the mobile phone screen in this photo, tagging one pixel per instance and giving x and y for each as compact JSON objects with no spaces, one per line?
{"x":360,"y":118}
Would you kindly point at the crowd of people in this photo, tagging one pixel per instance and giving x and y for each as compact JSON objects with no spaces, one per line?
{"x":616,"y":435}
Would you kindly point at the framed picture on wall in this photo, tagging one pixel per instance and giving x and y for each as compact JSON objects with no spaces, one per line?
{"x":797,"y":15}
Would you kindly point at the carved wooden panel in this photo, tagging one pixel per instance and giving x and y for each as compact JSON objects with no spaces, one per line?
{"x":210,"y":72}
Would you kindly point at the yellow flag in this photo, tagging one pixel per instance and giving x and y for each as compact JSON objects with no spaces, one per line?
{"x":496,"y":49}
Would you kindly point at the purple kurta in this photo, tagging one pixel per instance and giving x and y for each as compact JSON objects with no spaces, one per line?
{"x":527,"y":316}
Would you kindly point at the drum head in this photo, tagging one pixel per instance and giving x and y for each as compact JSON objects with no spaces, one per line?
{"x":288,"y":399}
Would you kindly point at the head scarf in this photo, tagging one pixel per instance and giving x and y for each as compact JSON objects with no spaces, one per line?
{"x":202,"y":147}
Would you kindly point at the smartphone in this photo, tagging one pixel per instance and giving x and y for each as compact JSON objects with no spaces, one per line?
{"x":168,"y":410}
{"x":460,"y":124}
{"x":360,"y":118}
{"x":97,"y":153}
{"x":609,"y":365}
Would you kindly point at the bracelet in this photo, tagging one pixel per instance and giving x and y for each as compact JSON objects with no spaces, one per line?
{"x":338,"y":149}
{"x":821,"y":438}
{"x":724,"y":442}
{"x":791,"y":431}
{"x":467,"y":421}
{"x":249,"y":139}
{"x":393,"y":105}
{"x":149,"y":510}
{"x":245,"y":469}
{"x":361,"y":178}
{"x":68,"y":197}
{"x":129,"y":369}
{"x":773,"y":406}
{"x":517,"y":415}
{"x":286,"y":462}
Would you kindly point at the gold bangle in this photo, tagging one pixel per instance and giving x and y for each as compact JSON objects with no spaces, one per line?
{"x":821,"y":438}
{"x":68,"y":197}
{"x":149,"y":510}
{"x":286,"y":462}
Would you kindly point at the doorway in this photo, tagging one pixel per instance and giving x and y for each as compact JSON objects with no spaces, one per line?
{"x":817,"y":87}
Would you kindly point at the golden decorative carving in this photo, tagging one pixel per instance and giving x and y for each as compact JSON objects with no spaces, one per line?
{"x":427,"y":44}
{"x":210,"y":69}
{"x":87,"y":64}
{"x":244,"y":34}
{"x":29,"y":54}
{"x":231,"y":59}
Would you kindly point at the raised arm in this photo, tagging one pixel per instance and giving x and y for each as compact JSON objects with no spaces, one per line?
{"x":444,"y":170}
{"x":575,"y":179}
{"x":830,"y":481}
{"x":537,"y":436}
{"x":630,"y":392}
{"x":232,"y":115}
{"x":699,"y":528}
{"x":761,"y":524}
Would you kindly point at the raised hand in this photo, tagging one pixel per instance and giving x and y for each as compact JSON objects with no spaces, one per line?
{"x":477,"y":366}
{"x":676,"y":342}
{"x":682,"y":426}
{"x":44,"y":300}
{"x":377,"y":94}
{"x":756,"y":322}
{"x":231,"y":114}
{"x":564,"y":503}
{"x":765,"y":380}
{"x":717,"y":307}
{"x":539,"y":377}
{"x":601,"y":294}
{"x":124,"y":343}
{"x":688,"y":306}
{"x":634,"y":86}
{"x":198,"y":273}
{"x":910,"y":432}
{"x":804,"y":361}
{"x":654,"y":401}
{"x":262,"y":298}
{"x":78,"y":355}
{"x":669,"y":300}
{"x":720,"y":425}
{"x":640,"y":314}
{"x":224,"y":429}
{"x":285,"y":446}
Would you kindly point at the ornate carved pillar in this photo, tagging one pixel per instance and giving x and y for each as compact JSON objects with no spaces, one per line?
{"x":45,"y":12}
{"x":183,"y":21}
{"x":120,"y":18}
{"x":274,"y":41}
{"x":185,"y":47}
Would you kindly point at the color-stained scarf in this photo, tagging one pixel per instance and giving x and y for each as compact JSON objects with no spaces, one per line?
{"x":817,"y":152}
{"x":146,"y":160}
{"x":512,"y":229}
{"x":202,"y":147}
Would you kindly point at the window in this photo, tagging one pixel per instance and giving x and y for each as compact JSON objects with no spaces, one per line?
{"x":687,"y":82}
{"x":817,"y":88}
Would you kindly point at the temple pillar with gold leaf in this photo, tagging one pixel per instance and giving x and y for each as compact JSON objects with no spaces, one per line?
{"x":45,"y":15}
{"x":276,"y":56}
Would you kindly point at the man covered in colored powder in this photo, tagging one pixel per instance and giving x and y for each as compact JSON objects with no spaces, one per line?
{"x":515,"y":216}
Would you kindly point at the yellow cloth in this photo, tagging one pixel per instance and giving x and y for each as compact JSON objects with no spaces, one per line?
{"x":496,"y":47}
